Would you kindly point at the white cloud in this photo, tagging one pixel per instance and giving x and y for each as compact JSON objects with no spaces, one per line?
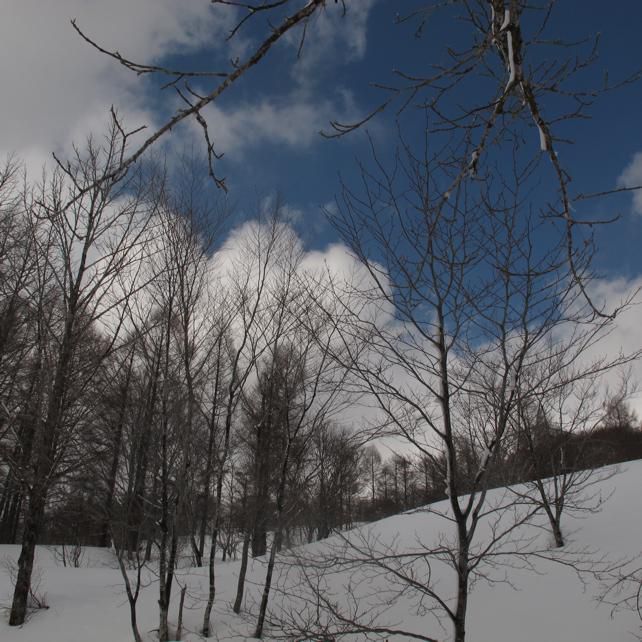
{"x":288,"y":214}
{"x":56,"y":87}
{"x":632,"y":177}
{"x":238,"y":253}
{"x":295,"y":120}
{"x":331,"y":37}
{"x":625,"y":336}
{"x":294,"y":123}
{"x":620,"y":339}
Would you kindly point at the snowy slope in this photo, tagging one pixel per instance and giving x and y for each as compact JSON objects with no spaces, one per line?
{"x":548,"y":602}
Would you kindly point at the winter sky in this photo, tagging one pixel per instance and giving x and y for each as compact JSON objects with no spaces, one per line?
{"x":57,"y":90}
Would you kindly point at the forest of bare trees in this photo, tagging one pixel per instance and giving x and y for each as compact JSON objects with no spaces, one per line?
{"x":162,"y":401}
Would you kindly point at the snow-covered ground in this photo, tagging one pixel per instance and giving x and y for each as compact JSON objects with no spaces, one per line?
{"x":547,"y":602}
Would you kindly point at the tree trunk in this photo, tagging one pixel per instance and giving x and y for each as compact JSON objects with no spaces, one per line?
{"x":179,"y":625}
{"x":240,"y":587}
{"x":462,"y":596}
{"x":132,"y":596}
{"x":261,"y":490}
{"x":30,"y":536}
{"x":115,"y":460}
{"x":276,"y":543}
{"x":163,"y":629}
{"x":217,"y":520}
{"x":258,"y":633}
{"x":557,"y":534}
{"x":136,"y":512}
{"x":212,"y":582}
{"x":207,"y":480}
{"x":554,"y":519}
{"x":10,"y":511}
{"x":166,"y":578}
{"x":38,"y":495}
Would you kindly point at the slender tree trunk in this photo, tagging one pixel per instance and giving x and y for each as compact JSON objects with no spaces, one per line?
{"x":115,"y":461}
{"x":179,"y":625}
{"x":217,"y":517}
{"x":462,"y":585}
{"x":30,"y":537}
{"x":557,"y":534}
{"x":372,"y":479}
{"x":111,"y":481}
{"x":258,"y":633}
{"x":132,"y":595}
{"x":207,"y":479}
{"x":10,"y":510}
{"x":163,"y":628}
{"x":240,"y":587}
{"x":211,"y":573}
{"x":276,"y":543}
{"x":166,"y":579}
{"x":553,"y":518}
{"x":136,"y":511}
{"x":261,"y":488}
{"x":460,"y":614}
{"x":164,"y":571}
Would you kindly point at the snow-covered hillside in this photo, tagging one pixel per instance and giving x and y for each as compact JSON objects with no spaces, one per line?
{"x":547,"y":602}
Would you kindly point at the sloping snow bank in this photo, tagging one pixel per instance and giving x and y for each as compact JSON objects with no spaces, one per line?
{"x":548,"y":602}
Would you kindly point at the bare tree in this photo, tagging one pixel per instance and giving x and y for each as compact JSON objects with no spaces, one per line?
{"x":306,"y":390}
{"x":556,"y":418}
{"x":85,"y":247}
{"x":247,"y":300}
{"x":133,"y":586}
{"x":456,"y":304}
{"x":179,"y":294}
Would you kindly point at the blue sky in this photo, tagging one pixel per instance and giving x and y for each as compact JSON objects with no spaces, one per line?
{"x":269,"y":121}
{"x":267,"y":125}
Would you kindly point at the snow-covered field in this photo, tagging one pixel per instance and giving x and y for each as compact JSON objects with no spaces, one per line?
{"x":548,"y":603}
